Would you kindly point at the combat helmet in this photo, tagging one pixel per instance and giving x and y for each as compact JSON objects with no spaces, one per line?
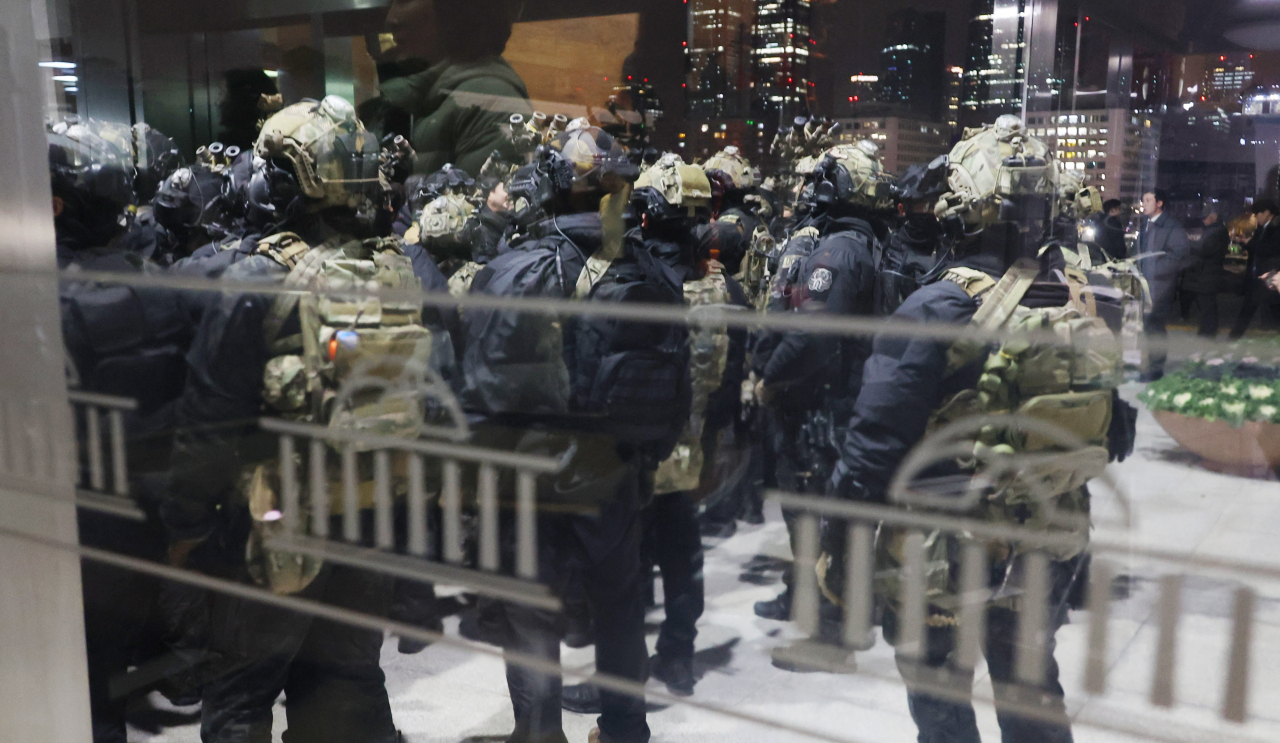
{"x":730,"y":161}
{"x":672,"y":189}
{"x":1076,"y":200}
{"x":585,"y":162}
{"x":995,"y":174}
{"x":852,"y":174}
{"x":334,"y":161}
{"x":446,"y":218}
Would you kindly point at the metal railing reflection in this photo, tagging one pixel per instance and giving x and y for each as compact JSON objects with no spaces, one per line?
{"x":865,"y":520}
{"x":315,"y":540}
{"x":92,"y":491}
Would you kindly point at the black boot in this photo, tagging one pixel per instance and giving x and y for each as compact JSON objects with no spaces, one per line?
{"x":675,"y":672}
{"x":778,"y":609}
{"x":581,"y":698}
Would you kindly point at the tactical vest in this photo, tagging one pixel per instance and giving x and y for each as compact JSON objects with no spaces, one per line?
{"x":754,"y":272}
{"x":1069,"y":385}
{"x":709,"y":356}
{"x":356,"y":363}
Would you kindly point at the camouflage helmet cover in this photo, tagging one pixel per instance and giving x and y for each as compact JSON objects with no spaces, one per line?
{"x":994,"y":164}
{"x":868,"y":184}
{"x":444,"y":220}
{"x":739,"y":169}
{"x":597,"y":160}
{"x":682,"y":185}
{"x":334,"y":159}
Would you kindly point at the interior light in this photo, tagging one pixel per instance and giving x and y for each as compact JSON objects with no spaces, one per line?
{"x":276,"y":73}
{"x":66,"y":78}
{"x":59,"y":65}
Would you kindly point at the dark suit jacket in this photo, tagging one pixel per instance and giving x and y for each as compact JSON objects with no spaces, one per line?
{"x":1167,"y":249}
{"x":1264,"y":249}
{"x":1205,"y":274}
{"x":1264,"y":257}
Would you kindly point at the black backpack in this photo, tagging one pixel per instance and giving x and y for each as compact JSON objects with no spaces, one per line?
{"x":624,"y":378}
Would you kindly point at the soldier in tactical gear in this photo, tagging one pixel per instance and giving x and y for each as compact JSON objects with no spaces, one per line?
{"x":120,"y":341}
{"x":613,"y":395}
{"x":910,"y":386}
{"x":812,"y":380}
{"x":673,"y":200}
{"x":92,"y":180}
{"x":318,"y":176}
{"x":739,"y":203}
{"x":914,"y":254}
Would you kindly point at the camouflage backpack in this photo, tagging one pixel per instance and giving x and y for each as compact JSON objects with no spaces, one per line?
{"x":709,"y":347}
{"x":1068,"y":385}
{"x":754,"y":272}
{"x":358,"y":363}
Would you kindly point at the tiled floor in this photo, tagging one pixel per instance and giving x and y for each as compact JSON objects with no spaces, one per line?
{"x":446,"y":695}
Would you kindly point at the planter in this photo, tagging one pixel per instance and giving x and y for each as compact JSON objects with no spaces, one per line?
{"x":1253,"y":445}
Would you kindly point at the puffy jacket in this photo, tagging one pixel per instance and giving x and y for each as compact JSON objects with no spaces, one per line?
{"x":458,"y":109}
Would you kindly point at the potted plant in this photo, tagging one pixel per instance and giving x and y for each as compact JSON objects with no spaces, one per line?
{"x":1224,"y":408}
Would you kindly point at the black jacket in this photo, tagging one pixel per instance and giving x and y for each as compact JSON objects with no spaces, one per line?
{"x":903,"y":381}
{"x":1111,"y":238}
{"x":837,"y":278}
{"x":1205,"y":276}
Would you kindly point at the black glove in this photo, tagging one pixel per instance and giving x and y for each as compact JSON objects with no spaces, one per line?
{"x":1124,"y":428}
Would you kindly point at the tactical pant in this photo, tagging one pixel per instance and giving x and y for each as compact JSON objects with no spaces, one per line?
{"x":672,"y":542}
{"x":606,"y":548}
{"x":334,"y":689}
{"x":946,"y":719}
{"x":118,"y":606}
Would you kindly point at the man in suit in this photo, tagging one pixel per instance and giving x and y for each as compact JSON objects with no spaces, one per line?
{"x":1163,"y":251}
{"x":1264,"y":258}
{"x":1111,"y":237}
{"x":1203,"y":280}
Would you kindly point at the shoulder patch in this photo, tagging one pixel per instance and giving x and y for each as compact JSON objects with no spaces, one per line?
{"x":820,"y":281}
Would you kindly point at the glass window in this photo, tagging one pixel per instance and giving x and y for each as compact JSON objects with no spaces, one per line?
{"x":358,"y":420}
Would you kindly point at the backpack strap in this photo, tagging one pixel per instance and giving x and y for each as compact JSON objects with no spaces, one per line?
{"x":611,"y":246}
{"x":997,"y":302}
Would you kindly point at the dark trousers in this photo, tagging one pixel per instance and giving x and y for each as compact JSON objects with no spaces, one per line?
{"x":117,"y":607}
{"x":1207,"y":304}
{"x":334,"y":689}
{"x":1253,"y":304}
{"x":672,"y":542}
{"x":1154,"y":322}
{"x":606,"y":548}
{"x":945,"y":719}
{"x":118,"y":614}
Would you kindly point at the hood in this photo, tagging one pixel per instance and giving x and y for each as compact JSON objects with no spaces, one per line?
{"x":424,"y":92}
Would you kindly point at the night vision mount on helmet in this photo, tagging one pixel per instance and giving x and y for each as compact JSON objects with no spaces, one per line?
{"x":852,"y":174}
{"x":998,"y":173}
{"x":334,"y":160}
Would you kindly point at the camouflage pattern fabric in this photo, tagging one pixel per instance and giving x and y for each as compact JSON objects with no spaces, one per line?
{"x":709,"y":344}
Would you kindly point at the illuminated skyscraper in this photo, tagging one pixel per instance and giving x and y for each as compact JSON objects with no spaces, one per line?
{"x":994,"y":61}
{"x":719,"y":58}
{"x":783,"y":43}
{"x":954,"y":78}
{"x":911,"y":63}
{"x":1226,"y":79}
